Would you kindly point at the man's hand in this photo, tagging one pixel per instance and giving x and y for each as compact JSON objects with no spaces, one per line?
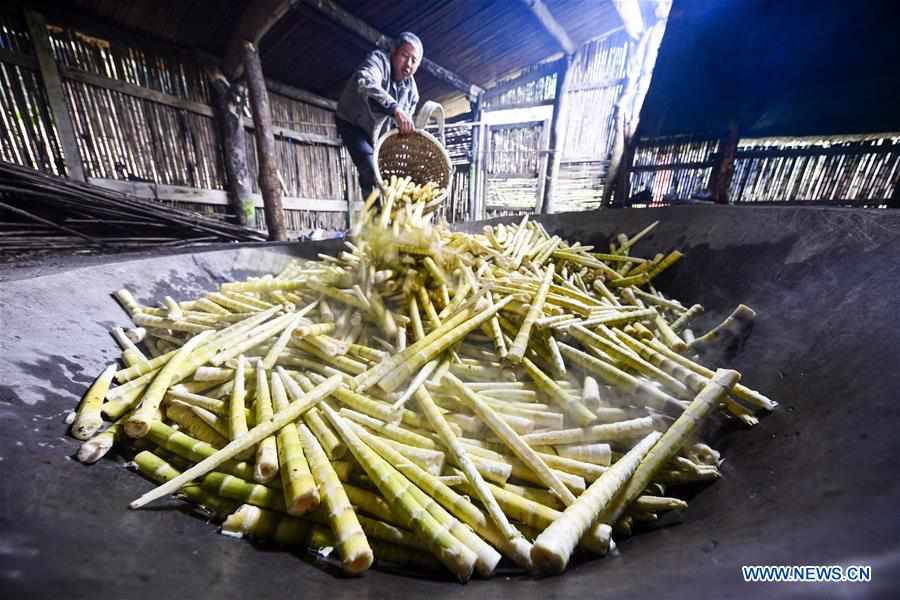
{"x":404,"y":123}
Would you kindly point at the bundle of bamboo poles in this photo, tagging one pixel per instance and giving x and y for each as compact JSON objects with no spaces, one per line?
{"x":41,"y":213}
{"x":427,"y":398}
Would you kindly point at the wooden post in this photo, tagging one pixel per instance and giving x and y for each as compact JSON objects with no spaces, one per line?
{"x":639,"y":70}
{"x":484,"y":148}
{"x":556,"y":135}
{"x":269,"y":182}
{"x":229,"y":100}
{"x":56,"y":94}
{"x":723,"y":169}
{"x":354,"y":206}
{"x":543,"y":163}
{"x":474,"y":157}
{"x":621,"y":185}
{"x":551,"y":25}
{"x":630,"y":13}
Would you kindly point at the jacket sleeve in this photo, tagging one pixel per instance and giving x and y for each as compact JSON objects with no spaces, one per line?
{"x":369,"y":76}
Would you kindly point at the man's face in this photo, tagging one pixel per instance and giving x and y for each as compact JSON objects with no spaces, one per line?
{"x":404,"y":62}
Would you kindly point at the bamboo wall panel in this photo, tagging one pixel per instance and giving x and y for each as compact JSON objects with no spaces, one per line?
{"x":14,"y":34}
{"x":672,"y":169}
{"x":458,"y":141}
{"x":581,"y":185}
{"x":492,"y":212}
{"x":674,"y":151}
{"x":589,"y":132}
{"x":216,"y":211}
{"x":595,"y":85}
{"x":851,"y":170}
{"x":596,"y":82}
{"x":600,"y":60}
{"x":129,"y":138}
{"x":308,"y":170}
{"x":668,"y":185}
{"x":512,"y":166}
{"x":125,"y":137}
{"x":513,"y":150}
{"x":307,"y":224}
{"x":170,"y":72}
{"x":514,"y":193}
{"x":302,"y":117}
{"x":314,"y":171}
{"x":456,"y":209}
{"x":28,"y":135}
{"x":864,"y":171}
{"x":531,"y":93}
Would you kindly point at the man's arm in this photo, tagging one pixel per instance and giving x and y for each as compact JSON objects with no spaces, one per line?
{"x":403,"y":115}
{"x":368,"y":80}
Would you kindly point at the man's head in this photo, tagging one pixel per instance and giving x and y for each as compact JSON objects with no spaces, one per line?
{"x":405,"y":56}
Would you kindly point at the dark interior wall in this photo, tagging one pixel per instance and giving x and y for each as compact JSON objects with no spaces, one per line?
{"x":802,"y":67}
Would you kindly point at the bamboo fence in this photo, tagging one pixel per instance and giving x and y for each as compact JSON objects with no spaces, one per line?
{"x":596,"y":82}
{"x":854,"y":170}
{"x":144,"y":114}
{"x":28,"y":136}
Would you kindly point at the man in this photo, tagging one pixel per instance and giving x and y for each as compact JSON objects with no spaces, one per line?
{"x":381,"y":88}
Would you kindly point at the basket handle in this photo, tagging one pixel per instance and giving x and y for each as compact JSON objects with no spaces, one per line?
{"x":432,"y":109}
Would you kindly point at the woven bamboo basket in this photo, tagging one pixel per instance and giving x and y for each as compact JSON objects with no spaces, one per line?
{"x":418,"y":155}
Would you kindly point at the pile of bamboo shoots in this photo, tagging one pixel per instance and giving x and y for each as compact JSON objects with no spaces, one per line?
{"x":427,"y":398}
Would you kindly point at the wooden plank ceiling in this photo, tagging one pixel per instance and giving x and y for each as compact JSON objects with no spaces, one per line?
{"x":480,"y":40}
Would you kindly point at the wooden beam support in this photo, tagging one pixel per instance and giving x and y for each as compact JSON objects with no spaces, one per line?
{"x":700,"y":164}
{"x":723,"y":169}
{"x":137,"y":91}
{"x":56,"y":94}
{"x":639,"y":70}
{"x":189,"y":105}
{"x":543,"y":164}
{"x":229,"y":102}
{"x":17,"y":58}
{"x":557,"y":135}
{"x":294,"y":93}
{"x":255,"y":22}
{"x":355,"y":25}
{"x":474,"y":159}
{"x":549,"y":22}
{"x":189,"y":195}
{"x":621,"y":183}
{"x":630,"y":13}
{"x":269,"y":181}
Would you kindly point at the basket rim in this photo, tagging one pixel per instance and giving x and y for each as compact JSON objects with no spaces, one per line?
{"x":445,"y":157}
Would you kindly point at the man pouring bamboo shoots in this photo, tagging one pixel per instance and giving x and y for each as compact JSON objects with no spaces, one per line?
{"x":382,"y":87}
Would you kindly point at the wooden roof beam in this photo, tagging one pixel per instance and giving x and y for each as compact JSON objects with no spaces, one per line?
{"x":343,"y":18}
{"x":552,"y":26}
{"x":630,"y":13}
{"x":255,"y":22}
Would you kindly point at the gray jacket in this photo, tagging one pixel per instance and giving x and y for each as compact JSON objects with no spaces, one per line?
{"x":371,"y":95}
